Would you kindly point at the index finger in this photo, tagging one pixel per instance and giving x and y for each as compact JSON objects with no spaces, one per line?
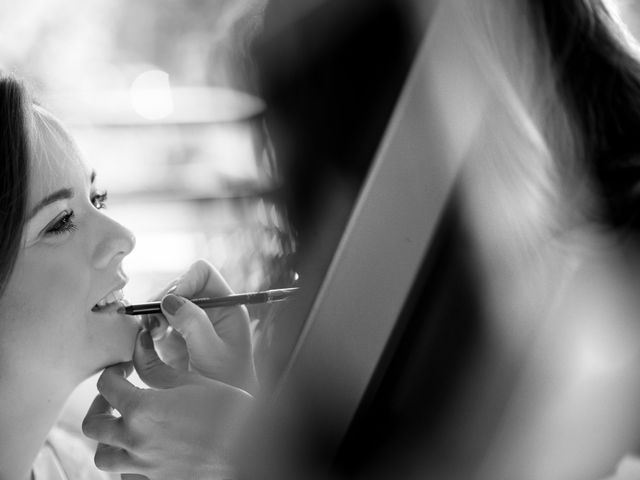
{"x":169,"y":288}
{"x":202,"y":279}
{"x":117,"y":390}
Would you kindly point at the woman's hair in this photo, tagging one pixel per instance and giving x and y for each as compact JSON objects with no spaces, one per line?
{"x":27,"y":132}
{"x":597,"y":70}
{"x":15,"y":120}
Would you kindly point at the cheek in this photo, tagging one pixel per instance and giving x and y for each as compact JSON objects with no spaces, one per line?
{"x":46,"y":318}
{"x":57,"y":287}
{"x":42,"y":307}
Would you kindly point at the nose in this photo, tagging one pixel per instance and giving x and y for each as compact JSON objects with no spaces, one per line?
{"x":114,"y":243}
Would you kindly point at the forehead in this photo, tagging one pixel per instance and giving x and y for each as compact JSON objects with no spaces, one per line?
{"x":55,"y":162}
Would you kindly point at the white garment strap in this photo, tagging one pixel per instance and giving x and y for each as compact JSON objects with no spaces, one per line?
{"x":47,"y":465}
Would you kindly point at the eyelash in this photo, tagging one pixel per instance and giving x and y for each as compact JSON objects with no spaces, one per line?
{"x":99,"y":199}
{"x":65,"y":224}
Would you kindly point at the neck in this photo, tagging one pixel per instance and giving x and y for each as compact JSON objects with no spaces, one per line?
{"x":29,"y":407}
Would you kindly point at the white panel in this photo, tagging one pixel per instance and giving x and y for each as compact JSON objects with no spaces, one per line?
{"x":389,"y":232}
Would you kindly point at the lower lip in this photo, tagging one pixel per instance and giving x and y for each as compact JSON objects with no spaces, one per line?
{"x":110,"y":312}
{"x":109,"y":309}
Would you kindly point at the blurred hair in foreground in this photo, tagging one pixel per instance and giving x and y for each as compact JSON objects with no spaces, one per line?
{"x":538,"y":100}
{"x":554,"y":225}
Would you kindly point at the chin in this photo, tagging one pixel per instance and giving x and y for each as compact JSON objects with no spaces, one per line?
{"x":117,"y":337}
{"x":113,"y":357}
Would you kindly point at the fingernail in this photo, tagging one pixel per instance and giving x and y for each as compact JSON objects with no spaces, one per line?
{"x":172,"y":303}
{"x":154,"y":322}
{"x":146,"y":341}
{"x":172,"y":289}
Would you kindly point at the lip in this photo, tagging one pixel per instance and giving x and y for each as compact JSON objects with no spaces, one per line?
{"x":111,"y":313}
{"x":113,"y":306}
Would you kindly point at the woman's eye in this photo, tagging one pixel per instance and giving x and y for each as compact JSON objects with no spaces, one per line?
{"x":99,"y":199}
{"x":63,"y":224}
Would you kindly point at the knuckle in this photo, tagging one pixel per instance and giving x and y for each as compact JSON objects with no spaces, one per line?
{"x":201,"y":263}
{"x":88,"y":427}
{"x":131,"y":441}
{"x":133,"y":407}
{"x":125,"y":369}
{"x":188,"y":328}
{"x":137,"y":405}
{"x":100,"y":383}
{"x":151,"y":412}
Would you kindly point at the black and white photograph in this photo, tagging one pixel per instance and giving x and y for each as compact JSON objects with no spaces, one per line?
{"x":320,"y":240}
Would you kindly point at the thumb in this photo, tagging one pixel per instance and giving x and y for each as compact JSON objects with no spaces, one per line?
{"x":151,"y":369}
{"x":196,"y":329}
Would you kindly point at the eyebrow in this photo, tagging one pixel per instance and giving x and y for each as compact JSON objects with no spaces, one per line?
{"x":61,"y":194}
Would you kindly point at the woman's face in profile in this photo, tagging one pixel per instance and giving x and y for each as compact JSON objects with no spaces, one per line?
{"x":70,"y":261}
